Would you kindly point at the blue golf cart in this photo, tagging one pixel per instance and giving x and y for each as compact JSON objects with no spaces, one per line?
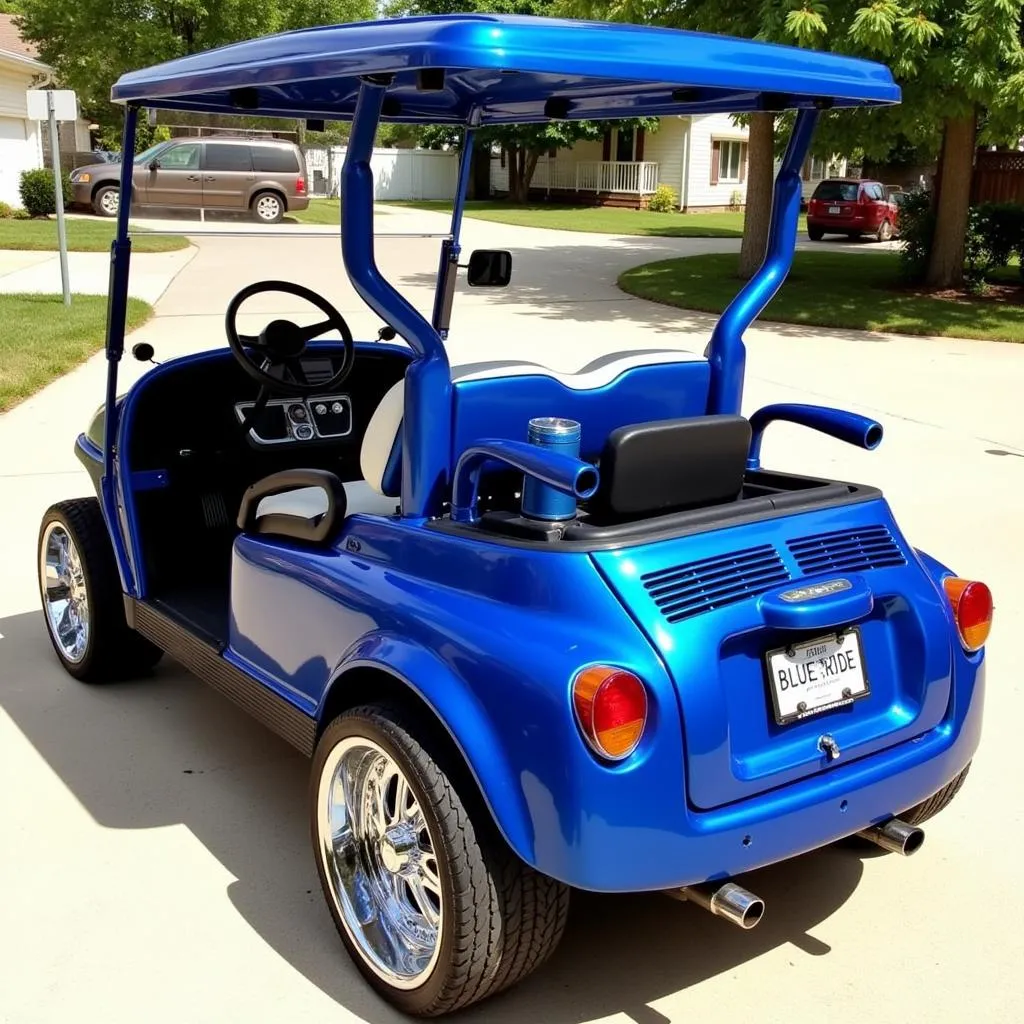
{"x":537,"y":631}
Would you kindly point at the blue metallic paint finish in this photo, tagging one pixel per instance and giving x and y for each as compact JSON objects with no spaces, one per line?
{"x":426,"y":432}
{"x":726,"y":352}
{"x":734,"y":747}
{"x":502,"y":407}
{"x":850,"y":427}
{"x":603,"y":70}
{"x":563,"y":473}
{"x":490,"y":636}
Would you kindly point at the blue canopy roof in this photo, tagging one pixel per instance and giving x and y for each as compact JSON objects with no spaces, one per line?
{"x":500,"y":69}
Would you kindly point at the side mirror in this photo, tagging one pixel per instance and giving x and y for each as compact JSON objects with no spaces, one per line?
{"x":489,"y":268}
{"x":154,"y":164}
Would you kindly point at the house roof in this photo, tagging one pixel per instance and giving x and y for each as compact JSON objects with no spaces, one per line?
{"x":501,"y":69}
{"x":11,"y":41}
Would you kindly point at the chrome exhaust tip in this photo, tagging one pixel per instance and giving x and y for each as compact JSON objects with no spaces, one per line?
{"x":726,"y":900}
{"x":895,"y":836}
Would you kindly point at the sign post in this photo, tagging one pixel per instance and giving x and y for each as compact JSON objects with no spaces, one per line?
{"x":51,"y":105}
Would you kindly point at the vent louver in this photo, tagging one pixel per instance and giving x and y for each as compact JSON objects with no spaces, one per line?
{"x":867,"y":547}
{"x":682,"y":591}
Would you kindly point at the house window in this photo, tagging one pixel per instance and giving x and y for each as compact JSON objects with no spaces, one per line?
{"x":731,"y":158}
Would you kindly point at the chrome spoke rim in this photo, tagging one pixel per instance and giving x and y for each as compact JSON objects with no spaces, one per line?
{"x":65,"y":597}
{"x":380,"y":859}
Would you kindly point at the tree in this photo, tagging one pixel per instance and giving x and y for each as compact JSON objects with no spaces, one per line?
{"x":90,"y":44}
{"x":959,"y":62}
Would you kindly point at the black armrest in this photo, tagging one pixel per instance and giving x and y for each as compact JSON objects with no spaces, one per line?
{"x":314,"y":530}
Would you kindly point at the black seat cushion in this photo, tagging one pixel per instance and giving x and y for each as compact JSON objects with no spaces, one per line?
{"x":648,"y":468}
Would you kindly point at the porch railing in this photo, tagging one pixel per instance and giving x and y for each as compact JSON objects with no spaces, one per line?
{"x":631,"y":177}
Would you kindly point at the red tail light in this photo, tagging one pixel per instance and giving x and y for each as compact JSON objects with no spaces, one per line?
{"x":300,"y":185}
{"x":611,"y":708}
{"x":971,"y":602}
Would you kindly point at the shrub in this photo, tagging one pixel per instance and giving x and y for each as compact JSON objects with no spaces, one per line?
{"x":917,"y":228}
{"x":37,"y":192}
{"x":6,"y":211}
{"x":664,"y":200}
{"x":22,"y":214}
{"x":736,"y":199}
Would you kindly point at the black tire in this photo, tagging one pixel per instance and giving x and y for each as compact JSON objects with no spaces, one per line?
{"x":939,"y":801}
{"x":263,"y":203}
{"x":101,"y":200}
{"x":815,"y":234}
{"x":505,"y":919}
{"x":112,"y":650}
{"x":884,"y":232}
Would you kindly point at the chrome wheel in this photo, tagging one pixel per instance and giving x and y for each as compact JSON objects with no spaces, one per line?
{"x":379,"y":856}
{"x":65,"y":598}
{"x":110,"y":202}
{"x":268,"y":208}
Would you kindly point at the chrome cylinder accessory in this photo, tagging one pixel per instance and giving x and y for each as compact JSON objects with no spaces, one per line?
{"x":895,"y":836}
{"x":539,"y":500}
{"x":724,"y":899}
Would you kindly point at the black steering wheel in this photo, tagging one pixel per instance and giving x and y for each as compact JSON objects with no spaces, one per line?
{"x":279,"y":345}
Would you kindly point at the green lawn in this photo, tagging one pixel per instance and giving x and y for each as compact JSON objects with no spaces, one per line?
{"x":83,"y":236}
{"x":829,"y":289}
{"x":42,"y":340}
{"x":562,"y":217}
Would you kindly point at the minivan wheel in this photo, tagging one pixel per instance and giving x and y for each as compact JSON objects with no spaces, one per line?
{"x":107,"y":201}
{"x":267,"y":208}
{"x":814,"y":233}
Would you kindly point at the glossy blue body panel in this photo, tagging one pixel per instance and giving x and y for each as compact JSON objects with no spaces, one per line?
{"x":490,"y":635}
{"x":603,"y":70}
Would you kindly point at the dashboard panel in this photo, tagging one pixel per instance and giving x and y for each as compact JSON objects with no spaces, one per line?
{"x":290,"y":420}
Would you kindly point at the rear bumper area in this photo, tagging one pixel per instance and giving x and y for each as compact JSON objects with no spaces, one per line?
{"x":788,"y":821}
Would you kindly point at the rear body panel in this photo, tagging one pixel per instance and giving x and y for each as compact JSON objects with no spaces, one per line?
{"x":710,"y":605}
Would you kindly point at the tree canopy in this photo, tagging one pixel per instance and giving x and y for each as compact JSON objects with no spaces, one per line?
{"x":91,"y":43}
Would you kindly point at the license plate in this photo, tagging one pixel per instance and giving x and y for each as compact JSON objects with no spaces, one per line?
{"x":835,"y":209}
{"x":808,"y":678}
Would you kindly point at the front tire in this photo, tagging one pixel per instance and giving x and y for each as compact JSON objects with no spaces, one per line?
{"x":106,"y":201}
{"x":82,"y":600}
{"x":433,"y":907}
{"x":884,"y":233}
{"x":267,"y":208}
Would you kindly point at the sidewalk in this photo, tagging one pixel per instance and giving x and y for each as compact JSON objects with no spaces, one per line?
{"x":39,"y":272}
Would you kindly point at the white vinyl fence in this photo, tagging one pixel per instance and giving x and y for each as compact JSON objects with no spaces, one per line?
{"x":397,"y":173}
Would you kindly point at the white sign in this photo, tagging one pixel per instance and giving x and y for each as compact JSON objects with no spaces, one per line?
{"x":65,"y":108}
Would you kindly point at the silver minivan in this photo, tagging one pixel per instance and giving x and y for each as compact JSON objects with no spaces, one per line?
{"x":265,"y":176}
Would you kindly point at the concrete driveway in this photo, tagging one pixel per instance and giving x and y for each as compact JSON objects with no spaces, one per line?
{"x":154,"y":850}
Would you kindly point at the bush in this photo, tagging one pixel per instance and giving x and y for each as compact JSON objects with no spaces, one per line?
{"x":6,"y":211}
{"x":736,"y":199}
{"x":22,"y":214}
{"x":917,"y":228}
{"x":37,"y":192}
{"x":664,"y":200}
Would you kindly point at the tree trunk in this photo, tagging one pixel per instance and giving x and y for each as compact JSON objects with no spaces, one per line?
{"x":760,"y":167}
{"x":522,"y":164}
{"x":956,"y":164}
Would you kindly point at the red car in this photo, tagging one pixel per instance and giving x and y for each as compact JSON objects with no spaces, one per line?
{"x":845,"y":206}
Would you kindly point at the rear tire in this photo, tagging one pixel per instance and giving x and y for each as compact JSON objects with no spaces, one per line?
{"x":884,"y":232}
{"x":490,"y":921}
{"x":106,"y":201}
{"x":267,"y":208}
{"x":82,"y":599}
{"x":815,"y":234}
{"x":920,"y":813}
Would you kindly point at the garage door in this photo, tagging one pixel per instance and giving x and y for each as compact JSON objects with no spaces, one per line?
{"x":17,"y":154}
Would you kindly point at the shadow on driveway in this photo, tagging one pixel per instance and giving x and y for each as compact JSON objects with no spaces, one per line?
{"x":165,"y":750}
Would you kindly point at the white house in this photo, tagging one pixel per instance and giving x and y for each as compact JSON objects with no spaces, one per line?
{"x":20,"y":141}
{"x":702,"y":158}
